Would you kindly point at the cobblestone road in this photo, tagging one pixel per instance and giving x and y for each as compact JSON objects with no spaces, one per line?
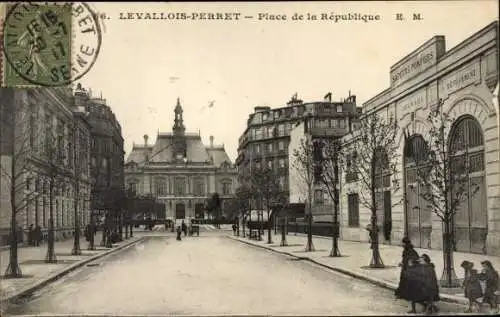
{"x":209,"y":275}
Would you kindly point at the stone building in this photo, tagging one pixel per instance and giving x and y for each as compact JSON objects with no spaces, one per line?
{"x":266,"y":139}
{"x":107,"y":154}
{"x":47,"y":135}
{"x":314,"y":129}
{"x":180,"y":171}
{"x":463,"y":78}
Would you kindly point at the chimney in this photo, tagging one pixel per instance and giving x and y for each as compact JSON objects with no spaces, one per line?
{"x":211,"y":141}
{"x":146,"y":140}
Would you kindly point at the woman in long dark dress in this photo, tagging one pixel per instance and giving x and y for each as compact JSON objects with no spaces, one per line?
{"x":431,"y":286}
{"x":409,"y":255}
{"x":490,"y":275}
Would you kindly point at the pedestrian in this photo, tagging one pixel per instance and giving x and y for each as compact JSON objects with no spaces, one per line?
{"x":471,"y":285}
{"x":409,"y":254}
{"x":31,"y":240}
{"x":490,"y":275}
{"x":415,"y":284}
{"x":431,"y":287}
{"x":38,"y":235}
{"x":179,"y":233}
{"x":184,"y":228}
{"x":234,"y":229}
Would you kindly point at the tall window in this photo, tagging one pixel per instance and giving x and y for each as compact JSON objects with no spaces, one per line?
{"x":318,"y":197}
{"x":226,"y":188}
{"x":257,"y":148}
{"x":281,"y":130}
{"x":270,"y":164}
{"x":180,"y":186}
{"x":270,"y":148}
{"x":161,"y":189}
{"x":199,"y":187}
{"x":282,"y":163}
{"x":281,"y":145}
{"x":353,"y":210}
{"x":132,"y":186}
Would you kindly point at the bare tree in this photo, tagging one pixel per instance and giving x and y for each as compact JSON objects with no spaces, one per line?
{"x":374,"y":161}
{"x":329,"y":164}
{"x":444,"y":177}
{"x":268,"y":189}
{"x":242,"y":199}
{"x":304,"y":165}
{"x":15,"y":168}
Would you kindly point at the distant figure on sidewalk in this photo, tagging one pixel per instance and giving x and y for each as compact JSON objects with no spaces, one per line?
{"x":408,"y":256}
{"x":179,"y":233}
{"x":490,"y":275}
{"x":38,"y":235}
{"x":184,"y":228}
{"x":472,"y":287}
{"x":31,"y":235}
{"x":234,"y":229}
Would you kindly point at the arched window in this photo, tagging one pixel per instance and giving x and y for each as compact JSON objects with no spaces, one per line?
{"x":417,"y":214}
{"x":466,"y":146}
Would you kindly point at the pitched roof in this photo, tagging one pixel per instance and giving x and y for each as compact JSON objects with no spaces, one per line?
{"x":218,"y":155}
{"x":196,"y":151}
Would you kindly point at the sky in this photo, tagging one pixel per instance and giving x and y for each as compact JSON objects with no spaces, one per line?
{"x":145,"y":65}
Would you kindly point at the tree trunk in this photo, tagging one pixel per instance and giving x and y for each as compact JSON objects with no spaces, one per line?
{"x":449,"y":278}
{"x":269,"y":238}
{"x":335,"y":252}
{"x":51,"y":255}
{"x":92,"y":231}
{"x":283,"y":232}
{"x":13,"y":270}
{"x":76,"y":242}
{"x":310,"y":245}
{"x":376,"y":261}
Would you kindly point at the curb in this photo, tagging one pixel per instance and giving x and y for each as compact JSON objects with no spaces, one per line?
{"x":385,"y":284}
{"x":57,"y":275}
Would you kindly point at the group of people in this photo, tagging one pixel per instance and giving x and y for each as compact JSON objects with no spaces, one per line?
{"x":472,"y":285}
{"x":181,"y":229}
{"x":35,"y":236}
{"x":418,"y":282}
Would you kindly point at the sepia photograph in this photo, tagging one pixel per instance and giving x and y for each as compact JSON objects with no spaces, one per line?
{"x":279,"y":158}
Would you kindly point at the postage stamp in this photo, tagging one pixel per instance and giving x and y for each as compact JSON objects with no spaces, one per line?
{"x":48,"y":44}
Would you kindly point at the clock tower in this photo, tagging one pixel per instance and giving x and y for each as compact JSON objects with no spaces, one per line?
{"x":179,"y":142}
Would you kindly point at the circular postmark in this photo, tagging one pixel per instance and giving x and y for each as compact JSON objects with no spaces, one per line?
{"x":50,"y":44}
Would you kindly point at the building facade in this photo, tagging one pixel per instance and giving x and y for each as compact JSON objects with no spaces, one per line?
{"x":462,"y":80}
{"x":266,"y":140}
{"x":107,"y":154}
{"x":46,"y":137}
{"x":311,"y":130}
{"x":179,"y":171}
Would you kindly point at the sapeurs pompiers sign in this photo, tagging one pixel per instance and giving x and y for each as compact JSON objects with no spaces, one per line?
{"x":420,"y":60}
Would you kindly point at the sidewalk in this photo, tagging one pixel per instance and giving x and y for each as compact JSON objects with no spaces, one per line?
{"x":356,"y":257}
{"x":37,"y":273}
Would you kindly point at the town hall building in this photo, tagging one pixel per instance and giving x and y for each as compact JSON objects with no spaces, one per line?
{"x":181,"y":172}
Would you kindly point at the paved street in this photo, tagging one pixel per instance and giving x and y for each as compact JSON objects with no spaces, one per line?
{"x":209,"y":275}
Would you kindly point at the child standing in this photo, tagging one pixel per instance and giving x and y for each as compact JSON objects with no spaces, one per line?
{"x":490,"y":275}
{"x":471,"y":285}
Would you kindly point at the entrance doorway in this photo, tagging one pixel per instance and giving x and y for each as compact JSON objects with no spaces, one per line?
{"x":180,"y":211}
{"x":470,"y":223}
{"x":417,"y":214}
{"x":199,"y":211}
